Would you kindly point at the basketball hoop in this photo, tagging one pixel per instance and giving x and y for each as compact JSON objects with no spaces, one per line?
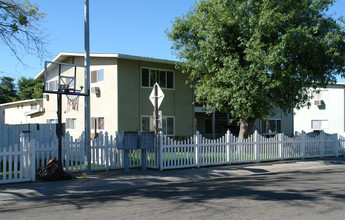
{"x":72,"y":99}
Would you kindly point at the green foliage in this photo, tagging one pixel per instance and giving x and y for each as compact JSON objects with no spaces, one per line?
{"x":38,"y":90}
{"x":29,"y":88}
{"x":8,"y":92}
{"x":19,"y":27}
{"x":246,"y":57}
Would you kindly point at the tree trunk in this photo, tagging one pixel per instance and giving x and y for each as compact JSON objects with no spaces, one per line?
{"x":246,"y":128}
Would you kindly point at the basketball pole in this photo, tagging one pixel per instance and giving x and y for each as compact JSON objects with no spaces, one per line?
{"x":87,"y":148}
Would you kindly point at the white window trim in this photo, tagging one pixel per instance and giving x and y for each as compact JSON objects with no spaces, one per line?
{"x":163,"y":117}
{"x":34,"y":106}
{"x":93,"y":117}
{"x":56,"y":85}
{"x":322,"y":95}
{"x":150,"y":68}
{"x":50,"y":119}
{"x":272,"y":119}
{"x":97,"y":82}
{"x":320,"y":120}
{"x":75,"y":123}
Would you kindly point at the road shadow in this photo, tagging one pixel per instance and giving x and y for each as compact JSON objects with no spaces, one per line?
{"x":295,"y":188}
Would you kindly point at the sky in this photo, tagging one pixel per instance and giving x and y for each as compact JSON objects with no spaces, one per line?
{"x":133,"y":27}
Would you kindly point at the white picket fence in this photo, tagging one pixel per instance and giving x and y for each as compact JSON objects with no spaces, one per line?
{"x":198,"y":151}
{"x":104,"y":154}
{"x":19,"y":161}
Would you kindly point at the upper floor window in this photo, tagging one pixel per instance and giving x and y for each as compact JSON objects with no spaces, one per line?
{"x":34,"y":106}
{"x":320,"y":94}
{"x":164,"y":78}
{"x":97,"y":76}
{"x":52,"y":85}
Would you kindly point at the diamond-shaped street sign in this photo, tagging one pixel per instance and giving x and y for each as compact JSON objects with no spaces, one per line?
{"x":160,"y":96}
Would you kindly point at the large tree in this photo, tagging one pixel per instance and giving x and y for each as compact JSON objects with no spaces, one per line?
{"x":247,"y":57}
{"x":20,"y":29}
{"x":8,"y":91}
{"x":29,"y":88}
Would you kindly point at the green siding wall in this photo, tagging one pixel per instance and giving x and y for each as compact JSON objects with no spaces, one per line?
{"x":133,"y":101}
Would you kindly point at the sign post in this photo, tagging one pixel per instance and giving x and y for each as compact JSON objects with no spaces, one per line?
{"x":156,"y":98}
{"x":87,"y":147}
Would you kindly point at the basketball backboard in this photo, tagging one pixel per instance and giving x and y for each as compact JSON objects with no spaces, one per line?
{"x":64,"y":78}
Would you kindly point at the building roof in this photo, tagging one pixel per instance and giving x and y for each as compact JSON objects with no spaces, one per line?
{"x":20,"y":102}
{"x":63,"y":55}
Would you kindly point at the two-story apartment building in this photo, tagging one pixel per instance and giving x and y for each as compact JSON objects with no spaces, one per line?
{"x":119,"y":97}
{"x":119,"y":100}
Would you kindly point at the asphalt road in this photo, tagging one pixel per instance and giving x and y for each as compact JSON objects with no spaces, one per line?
{"x":309,"y":189}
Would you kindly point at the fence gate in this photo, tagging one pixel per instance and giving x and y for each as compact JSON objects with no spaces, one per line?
{"x":17,"y":150}
{"x":18,"y":162}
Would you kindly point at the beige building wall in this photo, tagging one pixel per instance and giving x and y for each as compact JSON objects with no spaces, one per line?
{"x":103,"y":105}
{"x":22,"y":112}
{"x":2,"y":115}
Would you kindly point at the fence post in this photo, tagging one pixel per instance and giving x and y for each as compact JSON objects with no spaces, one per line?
{"x":280,"y":148}
{"x":256,"y":158}
{"x":228,"y":147}
{"x":33,"y":159}
{"x":196,"y":143}
{"x":303,"y":144}
{"x":160,"y":149}
{"x":25,"y":157}
{"x":336,"y":145}
{"x":106,"y":149}
{"x":322,"y":140}
{"x":67,"y":149}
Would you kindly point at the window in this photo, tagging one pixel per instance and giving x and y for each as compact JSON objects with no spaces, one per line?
{"x":34,"y":106}
{"x":71,"y":123}
{"x":147,"y":124}
{"x":271,"y":126}
{"x":320,"y":95}
{"x":208,"y":126}
{"x":168,"y":124}
{"x":218,"y":123}
{"x":52,"y":121}
{"x":99,"y":121}
{"x":52,"y":85}
{"x":67,"y":82}
{"x":319,"y":124}
{"x":145,"y":78}
{"x":97,"y":76}
{"x":164,"y":78}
